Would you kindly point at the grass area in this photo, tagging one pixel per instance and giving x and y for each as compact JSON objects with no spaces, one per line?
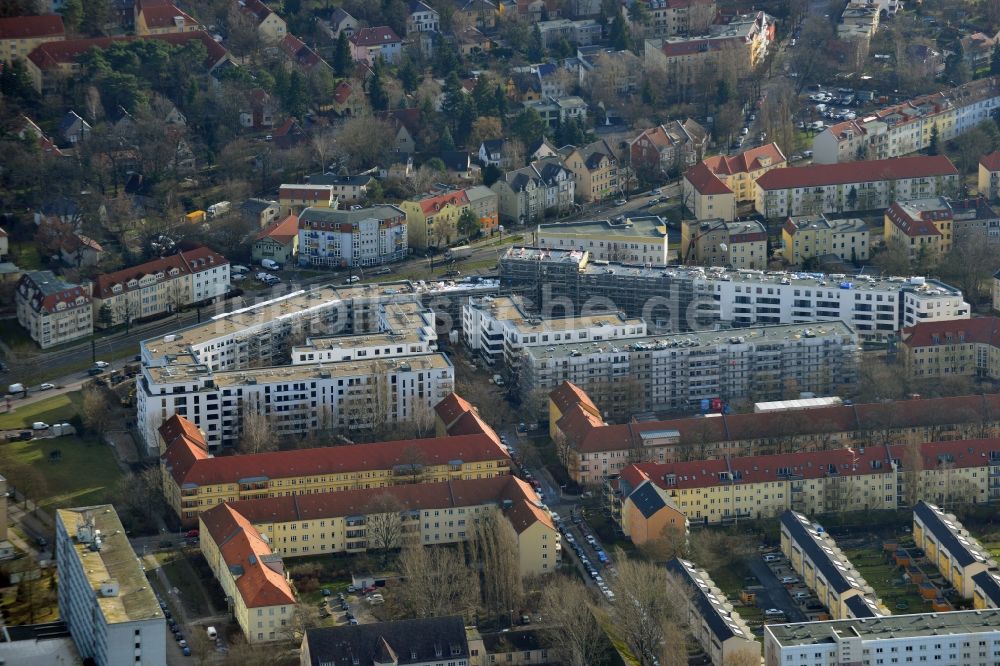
{"x":13,"y":335}
{"x":183,"y":576}
{"x":26,"y":256}
{"x":84,"y":475}
{"x":883,"y":577}
{"x":57,"y":409}
{"x":731,"y":578}
{"x":31,"y":601}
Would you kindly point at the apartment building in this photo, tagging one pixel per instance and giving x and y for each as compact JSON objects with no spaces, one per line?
{"x":722,"y":491}
{"x":595,"y":169}
{"x":967,"y":348}
{"x":582,"y":33}
{"x":159,"y":286}
{"x":155,"y":17}
{"x":664,"y":149}
{"x":52,"y":311}
{"x":974,"y":220}
{"x":695,"y":298}
{"x":960,"y":638}
{"x":194,"y":481}
{"x":500,"y":328}
{"x":20,"y":35}
{"x":347,"y":189}
{"x":432,"y":218}
{"x":825,"y":570}
{"x":295,"y":198}
{"x":988,"y":181}
{"x":679,"y":371}
{"x":739,"y":46}
{"x":706,"y":196}
{"x":956,"y":554}
{"x":644,"y":511}
{"x":719,"y":629}
{"x":633,"y":240}
{"x":920,"y":227}
{"x":104,"y":597}
{"x":807,"y":237}
{"x":842,"y":188}
{"x":417,"y":642}
{"x":906,"y":128}
{"x":370,"y":44}
{"x":598,"y":450}
{"x":430,"y":514}
{"x":561,"y":109}
{"x":544,"y":187}
{"x":739,"y":245}
{"x":740,"y":172}
{"x":668,"y":18}
{"x":330,"y":238}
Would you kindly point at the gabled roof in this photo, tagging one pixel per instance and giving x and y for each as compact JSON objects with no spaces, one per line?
{"x":705,"y":181}
{"x":419,"y":641}
{"x":162,"y":14}
{"x":568,"y":394}
{"x":991,"y":161}
{"x":298,"y":51}
{"x":432,"y":204}
{"x":816,"y":175}
{"x":373,"y":36}
{"x":962,"y":548}
{"x":177,"y":427}
{"x":46,"y":292}
{"x":988,"y":583}
{"x":983,"y":330}
{"x":52,"y":54}
{"x":281,"y":232}
{"x":32,"y":27}
{"x":646,"y":499}
{"x":255,"y":8}
{"x":747,"y":161}
{"x":191,"y":261}
{"x":451,"y":408}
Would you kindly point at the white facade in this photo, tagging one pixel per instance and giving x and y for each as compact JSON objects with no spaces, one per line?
{"x":637,"y":240}
{"x":345,"y":238}
{"x":52,"y":311}
{"x":104,"y":597}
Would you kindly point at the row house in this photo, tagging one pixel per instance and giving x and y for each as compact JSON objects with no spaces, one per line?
{"x":842,"y":188}
{"x":543,"y":188}
{"x":949,"y":546}
{"x":988,"y":182}
{"x":329,"y":238}
{"x":52,"y":311}
{"x":663,"y":149}
{"x":906,"y":128}
{"x":160,"y":286}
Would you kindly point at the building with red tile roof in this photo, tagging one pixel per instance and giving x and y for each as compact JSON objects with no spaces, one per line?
{"x":53,"y":311}
{"x":741,"y":171}
{"x":854,"y":186}
{"x":279,"y":241}
{"x":966,"y":348}
{"x":989,"y":175}
{"x":269,"y":26}
{"x":193,"y":480}
{"x":157,"y":17}
{"x":161,"y":285}
{"x":449,"y":410}
{"x":706,"y":196}
{"x":301,"y":54}
{"x":371,"y":43}
{"x":742,"y":43}
{"x":20,"y":35}
{"x":661,"y":148}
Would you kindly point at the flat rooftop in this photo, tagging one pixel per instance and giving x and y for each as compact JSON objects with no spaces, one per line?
{"x":708,"y":339}
{"x":116,"y":561}
{"x":509,"y":309}
{"x":891,"y":626}
{"x":643,"y":226}
{"x":324,"y":343}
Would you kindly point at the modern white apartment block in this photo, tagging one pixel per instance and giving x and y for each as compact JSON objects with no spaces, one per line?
{"x":330,"y":238}
{"x":104,"y":597}
{"x":907,"y":127}
{"x":500,"y":328}
{"x":162,"y":285}
{"x":958,"y":638}
{"x":843,"y":188}
{"x":632,"y":240}
{"x":53,"y":311}
{"x":678,"y":371}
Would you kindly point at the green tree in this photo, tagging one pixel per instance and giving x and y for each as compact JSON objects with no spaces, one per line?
{"x":342,"y":59}
{"x":72,"y":13}
{"x":619,"y":32}
{"x":95,"y":16}
{"x":933,"y":148}
{"x":536,"y":49}
{"x":956,"y":69}
{"x":297,"y":96}
{"x":500,"y":99}
{"x":529,"y":127}
{"x":452,"y":98}
{"x":995,"y":60}
{"x":469,"y":224}
{"x":483,"y":97}
{"x":436,"y":164}
{"x":445,"y":58}
{"x":104,"y":315}
{"x":409,"y":76}
{"x":376,"y":90}
{"x":447,"y":141}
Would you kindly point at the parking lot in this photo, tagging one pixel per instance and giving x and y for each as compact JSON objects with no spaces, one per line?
{"x":781,"y":590}
{"x":581,"y":548}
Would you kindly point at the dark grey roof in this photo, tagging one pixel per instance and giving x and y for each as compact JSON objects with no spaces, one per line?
{"x":493,"y":145}
{"x":339,"y":16}
{"x":988,"y":583}
{"x":412,"y":641}
{"x":549,"y":171}
{"x":522,"y":640}
{"x":37,"y":632}
{"x":860,"y":607}
{"x":455,"y":160}
{"x":335,"y":179}
{"x":802,"y":535}
{"x":256,"y":206}
{"x":710,"y":607}
{"x":647,"y":500}
{"x":381,"y":212}
{"x":932,"y":518}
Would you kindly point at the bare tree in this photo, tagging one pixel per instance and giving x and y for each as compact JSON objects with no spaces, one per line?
{"x":495,"y":551}
{"x":257,"y":434}
{"x":139,"y":497}
{"x":384,"y":525}
{"x":913,"y":473}
{"x":366,"y":141}
{"x":96,"y":409}
{"x":513,"y":154}
{"x":670,"y":543}
{"x":572,"y":631}
{"x":437,"y":582}
{"x":648,"y":601}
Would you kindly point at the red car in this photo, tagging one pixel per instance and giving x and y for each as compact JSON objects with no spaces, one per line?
{"x":191,"y":534}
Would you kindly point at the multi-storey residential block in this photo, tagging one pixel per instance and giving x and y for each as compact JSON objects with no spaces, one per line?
{"x":966,"y":348}
{"x":582,"y":33}
{"x":678,"y":371}
{"x":841,"y":188}
{"x":634,"y":240}
{"x":597,"y":450}
{"x":920,"y":227}
{"x":706,"y":196}
{"x":499,"y":328}
{"x":907,"y":128}
{"x":53,"y":311}
{"x":668,"y":18}
{"x":806,"y":237}
{"x":643,"y":510}
{"x":740,"y":172}
{"x":556,"y":110}
{"x":681,"y":299}
{"x":544,"y":187}
{"x":432,"y":219}
{"x":194,"y":481}
{"x":342,"y":238}
{"x":974,"y":220}
{"x":664,"y":149}
{"x":19,"y":35}
{"x":104,"y":597}
{"x":595,"y":168}
{"x":417,"y":642}
{"x":370,"y":44}
{"x":161,"y":285}
{"x":740,"y":245}
{"x":720,"y":630}
{"x":989,"y":176}
{"x":960,"y":638}
{"x":347,"y":189}
{"x":739,"y":46}
{"x":956,"y":554}
{"x":825,"y":570}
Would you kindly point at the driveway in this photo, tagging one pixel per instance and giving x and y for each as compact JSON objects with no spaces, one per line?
{"x":774,"y":594}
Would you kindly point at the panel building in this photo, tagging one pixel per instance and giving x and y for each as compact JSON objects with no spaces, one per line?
{"x":104,"y":597}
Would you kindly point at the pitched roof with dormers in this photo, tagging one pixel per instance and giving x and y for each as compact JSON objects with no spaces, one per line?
{"x":373,"y":36}
{"x":46,"y":293}
{"x":818,"y":175}
{"x":191,"y":261}
{"x":704,"y":180}
{"x":164,"y":14}
{"x":747,"y":161}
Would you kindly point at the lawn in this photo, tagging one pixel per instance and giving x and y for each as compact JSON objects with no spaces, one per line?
{"x":883,"y":577}
{"x":85,"y":473}
{"x":13,"y":335}
{"x":57,"y":409}
{"x":182,"y":573}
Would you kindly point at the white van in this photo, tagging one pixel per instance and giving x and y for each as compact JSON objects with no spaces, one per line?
{"x":270,"y":264}
{"x":212,"y":633}
{"x":236,"y":268}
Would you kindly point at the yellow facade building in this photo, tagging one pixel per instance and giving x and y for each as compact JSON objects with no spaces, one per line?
{"x":920,"y":227}
{"x":957,"y":555}
{"x":20,"y":35}
{"x":595,"y":169}
{"x":966,"y":348}
{"x":806,"y":237}
{"x":432,"y":220}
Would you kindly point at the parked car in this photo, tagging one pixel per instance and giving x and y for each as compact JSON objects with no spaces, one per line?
{"x":789,"y":580}
{"x":46,"y":387}
{"x":101,"y":364}
{"x":352,"y":279}
{"x":191,"y":534}
{"x":270,"y":264}
{"x":382,"y":271}
{"x":774,"y":612}
{"x":771,"y":557}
